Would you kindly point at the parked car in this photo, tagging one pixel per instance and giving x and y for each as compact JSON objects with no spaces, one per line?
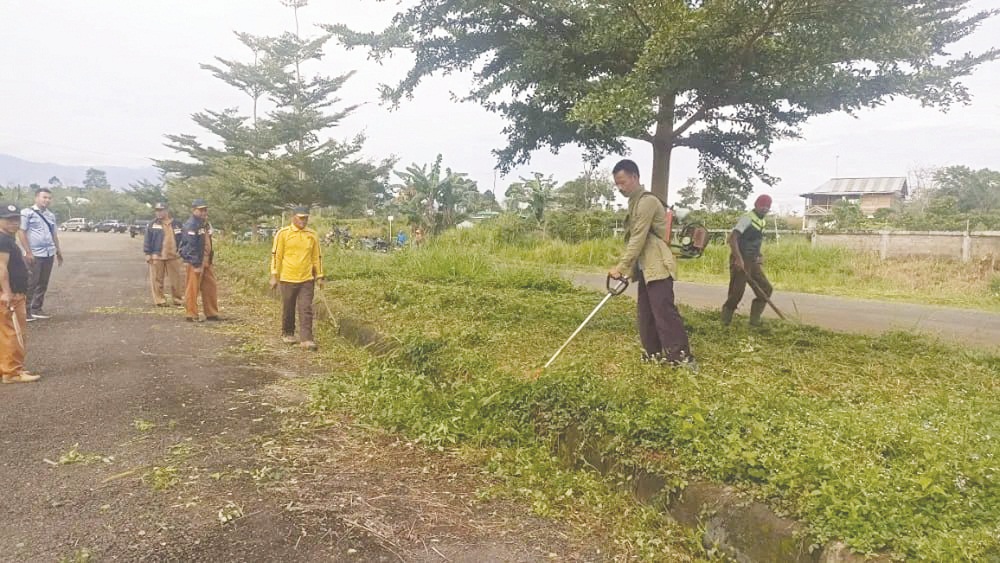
{"x":111,"y":226}
{"x":138,"y":227}
{"x":76,"y":224}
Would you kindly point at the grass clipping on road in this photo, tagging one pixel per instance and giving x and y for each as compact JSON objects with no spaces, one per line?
{"x":888,"y":443}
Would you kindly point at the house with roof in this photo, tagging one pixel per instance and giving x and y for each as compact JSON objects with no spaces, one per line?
{"x":870,"y":194}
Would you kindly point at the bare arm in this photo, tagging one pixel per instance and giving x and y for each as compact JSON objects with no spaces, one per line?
{"x":55,"y":239}
{"x":23,"y":240}
{"x":6,"y":292}
{"x":734,"y":250}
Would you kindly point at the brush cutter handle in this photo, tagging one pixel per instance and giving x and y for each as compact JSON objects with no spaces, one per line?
{"x":621,"y":284}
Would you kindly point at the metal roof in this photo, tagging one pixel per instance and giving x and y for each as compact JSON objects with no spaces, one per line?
{"x":843,"y":186}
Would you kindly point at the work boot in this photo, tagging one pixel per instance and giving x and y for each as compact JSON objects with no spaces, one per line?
{"x":727,"y":315}
{"x":22,"y":377}
{"x":289,"y":339}
{"x":756,"y":310}
{"x":308,"y":345}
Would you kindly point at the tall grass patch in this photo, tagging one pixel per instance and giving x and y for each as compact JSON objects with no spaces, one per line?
{"x":888,"y":443}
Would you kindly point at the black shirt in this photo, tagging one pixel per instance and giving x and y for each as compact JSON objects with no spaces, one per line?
{"x":16,"y":269}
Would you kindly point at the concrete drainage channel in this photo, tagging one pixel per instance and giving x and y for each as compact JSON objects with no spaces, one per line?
{"x":747,"y":531}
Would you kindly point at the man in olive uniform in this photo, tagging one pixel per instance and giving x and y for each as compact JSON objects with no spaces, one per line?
{"x":746,"y":264}
{"x":160,"y":248}
{"x":650,"y":263}
{"x":13,"y":299}
{"x":196,"y":251}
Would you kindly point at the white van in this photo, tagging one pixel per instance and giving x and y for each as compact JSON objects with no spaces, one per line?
{"x":76,"y":224}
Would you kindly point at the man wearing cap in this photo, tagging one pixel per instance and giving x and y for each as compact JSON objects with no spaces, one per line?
{"x":196,"y":251}
{"x":160,"y":248}
{"x":746,"y":264}
{"x":296,"y":267}
{"x":649,"y":262}
{"x":41,"y":245}
{"x":13,"y":309}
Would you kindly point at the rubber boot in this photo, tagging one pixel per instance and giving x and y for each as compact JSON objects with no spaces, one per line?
{"x":756,"y":310}
{"x":727,"y":315}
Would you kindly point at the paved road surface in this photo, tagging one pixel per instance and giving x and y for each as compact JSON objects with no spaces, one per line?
{"x":865,"y":316}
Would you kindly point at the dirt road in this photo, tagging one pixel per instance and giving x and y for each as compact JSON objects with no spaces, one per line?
{"x":153,"y":439}
{"x":961,"y":326}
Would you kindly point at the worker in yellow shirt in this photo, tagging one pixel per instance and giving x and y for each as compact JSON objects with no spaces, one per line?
{"x":297,"y":267}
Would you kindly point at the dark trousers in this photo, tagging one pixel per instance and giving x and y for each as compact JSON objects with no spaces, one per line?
{"x":38,"y":283}
{"x":738,"y":285}
{"x":297,"y":298}
{"x":661,"y":328}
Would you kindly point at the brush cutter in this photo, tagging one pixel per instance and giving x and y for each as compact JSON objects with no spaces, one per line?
{"x":617,"y":289}
{"x":757,"y":290}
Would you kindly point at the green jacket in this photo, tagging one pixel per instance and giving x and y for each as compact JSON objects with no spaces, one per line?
{"x":645,"y":246}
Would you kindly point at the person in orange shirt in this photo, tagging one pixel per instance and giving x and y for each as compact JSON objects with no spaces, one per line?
{"x":297,"y":267}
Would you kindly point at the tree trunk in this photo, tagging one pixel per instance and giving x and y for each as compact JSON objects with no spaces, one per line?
{"x":663,"y":144}
{"x":661,"y":168}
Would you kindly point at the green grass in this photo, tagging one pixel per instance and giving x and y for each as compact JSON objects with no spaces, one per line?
{"x":791,"y":265}
{"x":888,"y":443}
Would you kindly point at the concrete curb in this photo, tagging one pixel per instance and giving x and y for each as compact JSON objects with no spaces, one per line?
{"x":747,"y":531}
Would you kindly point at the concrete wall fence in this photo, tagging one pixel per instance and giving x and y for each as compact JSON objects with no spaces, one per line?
{"x":967,"y":247}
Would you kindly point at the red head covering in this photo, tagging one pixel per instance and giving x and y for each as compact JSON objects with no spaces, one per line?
{"x":762,"y":201}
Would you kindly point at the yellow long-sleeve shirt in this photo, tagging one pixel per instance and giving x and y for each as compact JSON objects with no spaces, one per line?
{"x":296,"y":256}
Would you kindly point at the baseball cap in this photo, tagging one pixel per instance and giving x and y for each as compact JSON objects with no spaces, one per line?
{"x":198,"y":204}
{"x":301,"y":210}
{"x":160,"y":206}
{"x":9,"y":210}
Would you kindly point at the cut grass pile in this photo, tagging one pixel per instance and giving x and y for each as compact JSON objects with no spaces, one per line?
{"x":888,"y":443}
{"x":792,"y":265}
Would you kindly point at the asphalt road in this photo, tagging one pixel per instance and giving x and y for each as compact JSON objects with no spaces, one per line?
{"x":960,"y":326}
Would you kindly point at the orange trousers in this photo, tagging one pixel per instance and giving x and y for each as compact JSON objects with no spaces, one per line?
{"x":203,"y":283}
{"x":11,"y":351}
{"x":159,"y":270}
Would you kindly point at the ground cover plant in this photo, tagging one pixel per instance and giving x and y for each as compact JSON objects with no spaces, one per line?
{"x":888,"y":443}
{"x":792,"y":264}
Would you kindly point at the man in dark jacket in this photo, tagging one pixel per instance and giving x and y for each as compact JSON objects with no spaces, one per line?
{"x":161,"y":250}
{"x":196,"y":251}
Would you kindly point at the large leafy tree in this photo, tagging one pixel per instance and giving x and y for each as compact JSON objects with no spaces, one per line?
{"x":280,"y":154}
{"x":586,"y":191}
{"x":95,"y":179}
{"x":970,"y":190}
{"x":726,"y":78}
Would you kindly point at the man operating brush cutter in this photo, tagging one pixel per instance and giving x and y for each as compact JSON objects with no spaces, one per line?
{"x":648,"y":262}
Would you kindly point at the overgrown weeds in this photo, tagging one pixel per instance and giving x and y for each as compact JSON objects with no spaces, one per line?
{"x":792,"y":263}
{"x":887,"y":443}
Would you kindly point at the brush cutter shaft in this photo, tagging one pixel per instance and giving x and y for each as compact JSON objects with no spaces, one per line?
{"x":757,"y":290}
{"x":618,"y":289}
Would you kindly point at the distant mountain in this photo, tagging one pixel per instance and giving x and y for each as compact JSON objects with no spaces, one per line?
{"x":15,"y":170}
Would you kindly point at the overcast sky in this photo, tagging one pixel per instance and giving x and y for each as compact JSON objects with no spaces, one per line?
{"x":99,"y":82}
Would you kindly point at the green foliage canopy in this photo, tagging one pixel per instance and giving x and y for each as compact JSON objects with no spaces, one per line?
{"x":724,"y":78}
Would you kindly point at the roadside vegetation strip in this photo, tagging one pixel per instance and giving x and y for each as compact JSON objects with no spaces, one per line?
{"x":888,"y":443}
{"x":792,"y":265}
